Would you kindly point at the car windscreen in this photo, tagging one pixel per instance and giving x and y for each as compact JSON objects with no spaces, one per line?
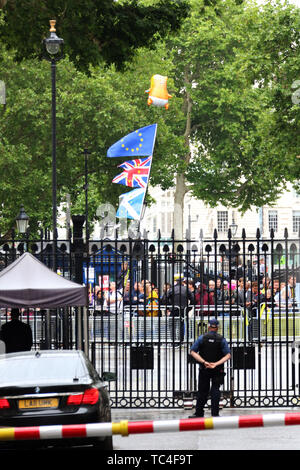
{"x":38,"y":369}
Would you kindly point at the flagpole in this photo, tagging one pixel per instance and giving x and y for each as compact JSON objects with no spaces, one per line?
{"x":138,"y":143}
{"x":145,"y":205}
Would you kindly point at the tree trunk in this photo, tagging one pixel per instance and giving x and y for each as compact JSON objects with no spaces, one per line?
{"x":179,"y":194}
{"x":180,"y":187}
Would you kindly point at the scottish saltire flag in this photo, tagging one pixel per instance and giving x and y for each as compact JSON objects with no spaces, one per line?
{"x":136,"y":173}
{"x":135,"y":144}
{"x":131,"y":204}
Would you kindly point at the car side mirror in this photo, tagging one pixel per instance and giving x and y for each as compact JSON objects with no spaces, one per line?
{"x":109,"y":376}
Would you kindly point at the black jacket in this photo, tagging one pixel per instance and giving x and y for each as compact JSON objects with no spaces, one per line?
{"x":180,"y":296}
{"x":17,"y":336}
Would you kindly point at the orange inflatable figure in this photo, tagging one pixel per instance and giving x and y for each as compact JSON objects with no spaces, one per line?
{"x":158,"y":93}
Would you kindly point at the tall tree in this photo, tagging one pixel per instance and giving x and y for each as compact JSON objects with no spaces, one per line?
{"x":231,"y":134}
{"x":90,"y":114}
{"x":93,"y":30}
{"x":93,"y":112}
{"x":233,"y":67}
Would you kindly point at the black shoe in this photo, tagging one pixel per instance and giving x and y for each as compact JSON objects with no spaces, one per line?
{"x":196,"y":416}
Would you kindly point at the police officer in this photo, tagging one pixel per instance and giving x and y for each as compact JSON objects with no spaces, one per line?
{"x":211,"y":351}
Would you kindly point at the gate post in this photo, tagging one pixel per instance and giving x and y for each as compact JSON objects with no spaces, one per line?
{"x":77,"y":248}
{"x":296,"y":366}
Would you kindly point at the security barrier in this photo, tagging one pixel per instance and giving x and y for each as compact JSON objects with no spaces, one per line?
{"x":128,"y":328}
{"x":231,"y":322}
{"x":125,"y":428}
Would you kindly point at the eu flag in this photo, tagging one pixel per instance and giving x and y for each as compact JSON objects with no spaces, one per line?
{"x":138,"y":143}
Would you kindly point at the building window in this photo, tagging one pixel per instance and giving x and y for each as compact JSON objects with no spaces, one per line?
{"x":222,"y":221}
{"x":296,"y":221}
{"x":163,"y":223}
{"x":273,"y":221}
{"x":169,"y":222}
{"x":154,"y":225}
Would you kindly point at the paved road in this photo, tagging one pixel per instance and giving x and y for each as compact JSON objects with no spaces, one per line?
{"x":268,"y":438}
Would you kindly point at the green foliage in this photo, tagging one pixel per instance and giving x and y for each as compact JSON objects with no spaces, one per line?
{"x":87,"y":112}
{"x":93,"y":30}
{"x":232,"y":128}
{"x":235,"y":65}
{"x":91,"y":112}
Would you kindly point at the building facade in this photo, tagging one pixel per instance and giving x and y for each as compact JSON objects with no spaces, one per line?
{"x":198,"y":217}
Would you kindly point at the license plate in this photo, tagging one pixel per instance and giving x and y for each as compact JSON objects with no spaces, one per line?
{"x":34,"y":403}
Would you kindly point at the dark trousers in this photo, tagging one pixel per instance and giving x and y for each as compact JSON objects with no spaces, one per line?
{"x":176,"y":325}
{"x":209,"y":382}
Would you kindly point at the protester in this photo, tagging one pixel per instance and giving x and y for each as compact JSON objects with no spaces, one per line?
{"x":127,"y":294}
{"x":98,"y":298}
{"x":203,"y":297}
{"x":224,"y":297}
{"x":252,"y":299}
{"x":164,"y":297}
{"x":152,"y":307}
{"x":240,"y":293}
{"x":135,"y":294}
{"x":113,"y":299}
{"x":211,"y":289}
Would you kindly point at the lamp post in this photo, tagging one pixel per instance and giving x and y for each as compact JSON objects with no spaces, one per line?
{"x":54,"y":52}
{"x":22,"y":221}
{"x":233,"y":226}
{"x":86,"y":189}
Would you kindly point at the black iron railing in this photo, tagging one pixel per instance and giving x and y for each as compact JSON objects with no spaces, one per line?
{"x":150,"y":299}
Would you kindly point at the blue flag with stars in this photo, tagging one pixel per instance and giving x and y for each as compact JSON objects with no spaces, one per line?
{"x":138,"y":143}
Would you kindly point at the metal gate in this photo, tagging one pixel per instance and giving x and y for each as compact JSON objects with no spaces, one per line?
{"x":148,"y":348}
{"x":251,"y":286}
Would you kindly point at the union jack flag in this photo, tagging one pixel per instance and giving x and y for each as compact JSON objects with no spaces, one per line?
{"x":135,"y":174}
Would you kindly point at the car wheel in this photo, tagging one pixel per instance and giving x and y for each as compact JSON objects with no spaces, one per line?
{"x":105,"y":444}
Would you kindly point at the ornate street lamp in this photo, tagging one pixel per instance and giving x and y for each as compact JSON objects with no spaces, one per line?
{"x":22,"y":221}
{"x":53,"y":53}
{"x":233,"y":227}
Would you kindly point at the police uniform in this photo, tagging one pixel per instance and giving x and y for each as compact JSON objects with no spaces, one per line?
{"x":211,"y":347}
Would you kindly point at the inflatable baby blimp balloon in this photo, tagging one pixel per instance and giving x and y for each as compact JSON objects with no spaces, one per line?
{"x":158,"y":93}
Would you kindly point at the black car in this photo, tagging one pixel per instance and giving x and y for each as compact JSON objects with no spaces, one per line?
{"x":53,"y":387}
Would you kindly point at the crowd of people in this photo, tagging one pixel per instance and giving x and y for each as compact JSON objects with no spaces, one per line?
{"x":146,"y":298}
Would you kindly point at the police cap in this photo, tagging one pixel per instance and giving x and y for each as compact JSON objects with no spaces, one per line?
{"x":213,"y":322}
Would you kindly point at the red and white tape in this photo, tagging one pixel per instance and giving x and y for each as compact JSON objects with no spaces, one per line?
{"x":126,"y":428}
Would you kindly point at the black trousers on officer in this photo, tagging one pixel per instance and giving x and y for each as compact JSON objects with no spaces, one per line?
{"x":210,"y":381}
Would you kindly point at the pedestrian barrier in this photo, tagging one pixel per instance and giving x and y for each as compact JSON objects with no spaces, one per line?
{"x":128,"y":329}
{"x":231,"y":322}
{"x":125,"y":428}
